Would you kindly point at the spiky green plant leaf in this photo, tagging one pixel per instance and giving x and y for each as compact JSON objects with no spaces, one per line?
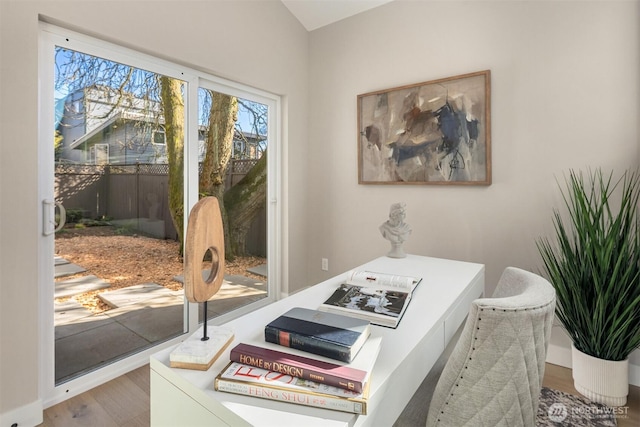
{"x":593,"y":262}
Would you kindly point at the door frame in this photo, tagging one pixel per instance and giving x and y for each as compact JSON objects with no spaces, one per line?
{"x":51,"y":36}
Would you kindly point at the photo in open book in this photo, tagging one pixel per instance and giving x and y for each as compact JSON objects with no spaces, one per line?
{"x":381,"y":301}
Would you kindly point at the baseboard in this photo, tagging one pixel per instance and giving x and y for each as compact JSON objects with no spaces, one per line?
{"x":26,"y":416}
{"x":558,"y":354}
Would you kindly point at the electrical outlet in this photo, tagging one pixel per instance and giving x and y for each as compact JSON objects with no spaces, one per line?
{"x":325,"y":264}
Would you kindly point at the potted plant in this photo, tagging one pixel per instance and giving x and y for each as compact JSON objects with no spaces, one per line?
{"x":594,"y":265}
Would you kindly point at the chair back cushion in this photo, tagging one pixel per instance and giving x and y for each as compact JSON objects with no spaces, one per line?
{"x":494,"y":375}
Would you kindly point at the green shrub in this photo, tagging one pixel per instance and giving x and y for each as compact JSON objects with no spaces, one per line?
{"x":74,"y":215}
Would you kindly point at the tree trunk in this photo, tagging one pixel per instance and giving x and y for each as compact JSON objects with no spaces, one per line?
{"x":243,"y":201}
{"x":173,"y":106}
{"x":222,"y":119}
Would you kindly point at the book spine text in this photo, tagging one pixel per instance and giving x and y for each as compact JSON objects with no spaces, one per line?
{"x":319,"y":401}
{"x":295,"y":371}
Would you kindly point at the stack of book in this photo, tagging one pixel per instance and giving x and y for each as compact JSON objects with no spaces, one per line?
{"x":309,"y":371}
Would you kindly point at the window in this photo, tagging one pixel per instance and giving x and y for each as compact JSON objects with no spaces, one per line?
{"x":101,"y":154}
{"x":158,"y":136}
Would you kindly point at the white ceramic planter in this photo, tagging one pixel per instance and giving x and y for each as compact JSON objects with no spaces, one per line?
{"x":602,"y":381}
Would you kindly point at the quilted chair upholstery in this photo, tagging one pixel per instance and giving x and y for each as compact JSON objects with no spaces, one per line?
{"x":494,"y":375}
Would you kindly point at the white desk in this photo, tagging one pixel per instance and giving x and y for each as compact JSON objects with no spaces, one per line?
{"x":181,"y":397}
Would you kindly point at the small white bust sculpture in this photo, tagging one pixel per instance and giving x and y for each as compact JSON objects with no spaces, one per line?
{"x":395,"y":230}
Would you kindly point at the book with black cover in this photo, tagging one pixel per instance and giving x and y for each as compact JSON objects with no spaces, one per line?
{"x":379,"y":298}
{"x":307,"y":368}
{"x":327,"y":334}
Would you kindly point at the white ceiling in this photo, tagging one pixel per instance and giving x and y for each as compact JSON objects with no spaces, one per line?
{"x":314,"y":14}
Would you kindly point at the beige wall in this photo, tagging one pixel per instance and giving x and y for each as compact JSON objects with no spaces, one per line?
{"x":257,"y":43}
{"x":564,"y":95}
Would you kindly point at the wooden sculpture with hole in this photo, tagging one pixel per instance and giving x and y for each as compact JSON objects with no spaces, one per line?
{"x":204,"y":243}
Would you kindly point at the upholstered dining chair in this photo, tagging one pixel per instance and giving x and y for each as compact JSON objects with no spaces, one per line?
{"x":494,"y":375}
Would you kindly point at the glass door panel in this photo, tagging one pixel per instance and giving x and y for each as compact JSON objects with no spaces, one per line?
{"x":119,"y":137}
{"x":232,"y":163}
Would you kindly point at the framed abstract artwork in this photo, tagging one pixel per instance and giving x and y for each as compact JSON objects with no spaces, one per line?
{"x":435,"y":132}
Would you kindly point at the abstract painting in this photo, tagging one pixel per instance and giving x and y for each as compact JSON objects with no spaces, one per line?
{"x":435,"y":132}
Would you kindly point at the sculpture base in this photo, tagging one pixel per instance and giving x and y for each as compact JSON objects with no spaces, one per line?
{"x":193,"y":353}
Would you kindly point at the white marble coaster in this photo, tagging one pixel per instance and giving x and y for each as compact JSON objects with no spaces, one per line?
{"x":193,"y":353}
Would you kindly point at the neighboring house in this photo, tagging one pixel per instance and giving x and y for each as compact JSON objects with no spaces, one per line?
{"x":98,"y":126}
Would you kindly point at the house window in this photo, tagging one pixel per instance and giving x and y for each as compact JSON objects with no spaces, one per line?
{"x":158,"y":136}
{"x":101,"y":154}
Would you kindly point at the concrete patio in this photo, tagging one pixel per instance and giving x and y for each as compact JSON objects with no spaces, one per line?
{"x":141,"y":316}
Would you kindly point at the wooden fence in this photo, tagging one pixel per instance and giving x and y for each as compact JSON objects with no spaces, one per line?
{"x":136,"y":196}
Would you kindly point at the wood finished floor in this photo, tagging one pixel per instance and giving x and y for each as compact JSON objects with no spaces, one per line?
{"x":559,"y":378}
{"x":124,"y":402}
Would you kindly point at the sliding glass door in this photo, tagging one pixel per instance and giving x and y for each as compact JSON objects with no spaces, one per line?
{"x":117,"y":258}
{"x":233,"y":140}
{"x":128,"y":145}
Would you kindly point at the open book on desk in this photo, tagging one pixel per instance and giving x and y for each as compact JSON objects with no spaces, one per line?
{"x":378,"y":297}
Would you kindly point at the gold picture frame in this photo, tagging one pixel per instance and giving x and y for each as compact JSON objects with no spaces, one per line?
{"x":435,"y":132}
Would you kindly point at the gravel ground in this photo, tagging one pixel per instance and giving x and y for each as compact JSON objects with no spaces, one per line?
{"x":128,"y":260}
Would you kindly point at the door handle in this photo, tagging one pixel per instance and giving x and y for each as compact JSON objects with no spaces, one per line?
{"x":49,"y":217}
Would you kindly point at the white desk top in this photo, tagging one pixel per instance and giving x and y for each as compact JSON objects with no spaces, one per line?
{"x":406,"y":356}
